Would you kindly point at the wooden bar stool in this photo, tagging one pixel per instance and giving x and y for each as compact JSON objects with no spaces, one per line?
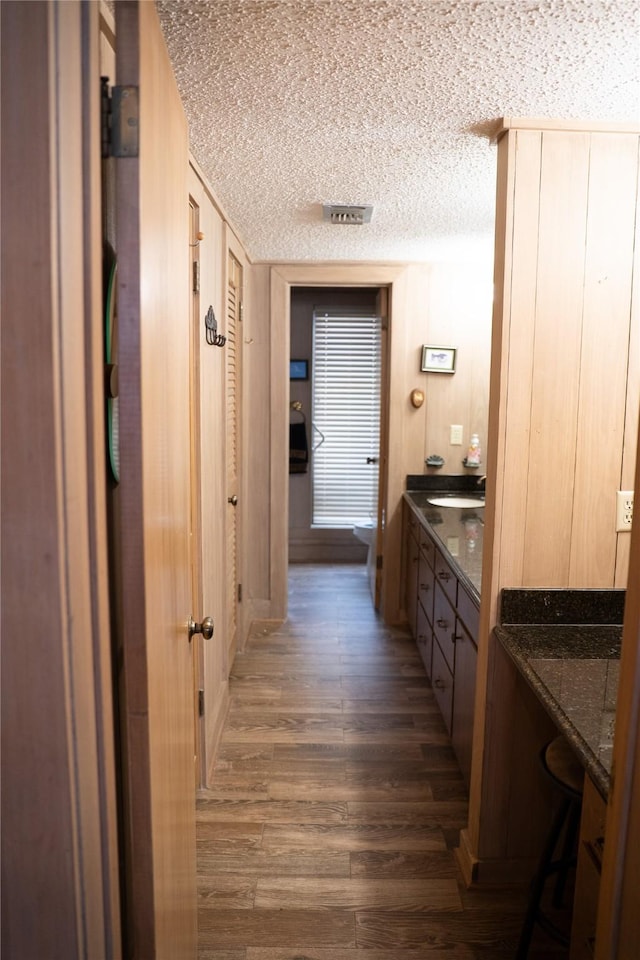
{"x":560,"y":764}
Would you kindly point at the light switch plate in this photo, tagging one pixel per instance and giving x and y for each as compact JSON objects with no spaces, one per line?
{"x":455,"y":434}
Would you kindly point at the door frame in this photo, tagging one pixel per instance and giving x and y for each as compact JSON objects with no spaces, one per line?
{"x":335,"y":541}
{"x":283,"y":278}
{"x":232,"y":247}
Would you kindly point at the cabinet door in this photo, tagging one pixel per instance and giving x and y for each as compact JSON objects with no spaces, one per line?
{"x":411,"y":582}
{"x":444,"y":625}
{"x":424,"y":638}
{"x":446,"y":578}
{"x":464,"y":692}
{"x":427,"y":547}
{"x":425,"y":587}
{"x":442,"y":681}
{"x":590,"y":851}
{"x":468,"y":611}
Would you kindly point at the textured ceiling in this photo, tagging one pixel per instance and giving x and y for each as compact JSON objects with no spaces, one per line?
{"x":292,"y":103}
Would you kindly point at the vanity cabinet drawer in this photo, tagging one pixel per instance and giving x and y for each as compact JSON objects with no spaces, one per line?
{"x":468,"y":612}
{"x":411,"y":558}
{"x":446,"y":577}
{"x":442,"y":683}
{"x":424,"y":638}
{"x":464,"y":695}
{"x":427,"y":547}
{"x":426,"y":583}
{"x":444,"y":624}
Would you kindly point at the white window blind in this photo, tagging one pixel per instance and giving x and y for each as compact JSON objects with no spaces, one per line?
{"x":346,"y":409}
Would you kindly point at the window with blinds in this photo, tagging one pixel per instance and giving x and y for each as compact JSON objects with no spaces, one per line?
{"x":346,"y":410}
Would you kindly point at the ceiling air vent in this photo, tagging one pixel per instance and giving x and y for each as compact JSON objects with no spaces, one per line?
{"x":346,"y":213}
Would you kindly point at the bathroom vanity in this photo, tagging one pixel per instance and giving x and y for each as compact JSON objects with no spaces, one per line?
{"x":443,"y":568}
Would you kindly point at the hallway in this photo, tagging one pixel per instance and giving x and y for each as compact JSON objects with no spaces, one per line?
{"x":329,"y":831}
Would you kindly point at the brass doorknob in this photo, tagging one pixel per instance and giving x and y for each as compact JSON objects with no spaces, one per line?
{"x":205,"y":628}
{"x":233,"y":500}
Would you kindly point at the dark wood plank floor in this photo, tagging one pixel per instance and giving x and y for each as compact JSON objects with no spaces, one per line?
{"x":329,"y":830}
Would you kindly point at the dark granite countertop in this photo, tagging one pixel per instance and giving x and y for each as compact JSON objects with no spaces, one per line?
{"x":458,"y":531}
{"x":573,"y":668}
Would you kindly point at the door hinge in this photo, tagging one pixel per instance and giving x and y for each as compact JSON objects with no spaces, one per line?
{"x":201,"y":703}
{"x":241,"y":311}
{"x":379,"y":562}
{"x":119,"y":120}
{"x":239,"y":593}
{"x":196,"y":276}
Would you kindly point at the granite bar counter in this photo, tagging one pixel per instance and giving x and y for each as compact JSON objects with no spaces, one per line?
{"x":566,"y":644}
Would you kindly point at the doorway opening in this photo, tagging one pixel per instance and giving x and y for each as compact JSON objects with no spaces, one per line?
{"x":337,"y":352}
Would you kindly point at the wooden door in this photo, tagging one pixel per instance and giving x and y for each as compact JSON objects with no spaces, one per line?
{"x":196,"y":531}
{"x":157,"y":673}
{"x":375,"y":572}
{"x":234,"y":386}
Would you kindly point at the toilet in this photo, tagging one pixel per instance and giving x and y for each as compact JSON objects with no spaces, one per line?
{"x":364,"y":532}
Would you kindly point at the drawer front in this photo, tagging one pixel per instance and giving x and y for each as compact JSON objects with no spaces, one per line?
{"x":412,"y":523}
{"x":442,"y":683}
{"x":427,"y":547}
{"x":446,"y":578}
{"x":424,"y":638}
{"x":426,"y":585}
{"x":468,"y":612}
{"x":444,"y":625}
{"x":464,"y":693}
{"x":411,"y":585}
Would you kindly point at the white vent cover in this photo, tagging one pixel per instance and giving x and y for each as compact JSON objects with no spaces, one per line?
{"x":346,"y":213}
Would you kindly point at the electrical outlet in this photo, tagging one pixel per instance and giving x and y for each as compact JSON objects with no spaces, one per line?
{"x":624,"y":510}
{"x":455,"y":434}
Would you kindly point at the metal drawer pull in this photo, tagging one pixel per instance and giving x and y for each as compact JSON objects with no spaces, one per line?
{"x":444,"y":575}
{"x":438,"y":684}
{"x":424,"y":586}
{"x":442,"y":622}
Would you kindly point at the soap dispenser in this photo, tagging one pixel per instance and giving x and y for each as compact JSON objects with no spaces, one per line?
{"x":473,"y":453}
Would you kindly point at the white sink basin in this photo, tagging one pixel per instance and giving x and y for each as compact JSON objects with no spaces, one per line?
{"x":456,"y":502}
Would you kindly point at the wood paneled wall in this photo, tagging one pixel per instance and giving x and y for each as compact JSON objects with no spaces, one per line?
{"x":563,"y":423}
{"x":566,"y":346}
{"x":455,"y":310}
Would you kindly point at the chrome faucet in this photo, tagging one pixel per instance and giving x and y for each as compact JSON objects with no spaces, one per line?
{"x":481,"y":481}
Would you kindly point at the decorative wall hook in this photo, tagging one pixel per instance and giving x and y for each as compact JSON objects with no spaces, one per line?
{"x":214,"y":339}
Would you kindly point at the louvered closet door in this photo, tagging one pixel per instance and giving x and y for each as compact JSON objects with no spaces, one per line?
{"x":233,"y":356}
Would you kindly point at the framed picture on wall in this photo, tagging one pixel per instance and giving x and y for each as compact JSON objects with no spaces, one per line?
{"x":298,"y":369}
{"x":438,"y":359}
